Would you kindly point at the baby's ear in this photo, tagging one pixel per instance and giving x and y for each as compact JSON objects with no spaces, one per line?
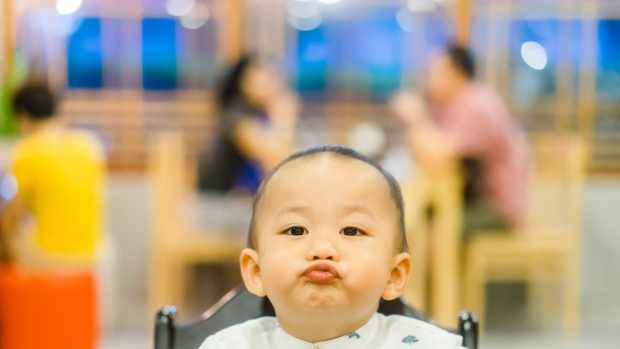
{"x":250,"y":272}
{"x":398,"y":277}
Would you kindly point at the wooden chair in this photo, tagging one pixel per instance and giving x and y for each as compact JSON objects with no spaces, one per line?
{"x":548,"y":248}
{"x":415,"y":195}
{"x":176,"y":243}
{"x":438,"y":269}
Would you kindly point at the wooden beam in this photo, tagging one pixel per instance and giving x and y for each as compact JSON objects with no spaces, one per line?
{"x":463,"y":21}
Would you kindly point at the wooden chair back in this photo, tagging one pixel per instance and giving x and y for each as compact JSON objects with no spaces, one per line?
{"x":167,"y":172}
{"x":557,"y":183}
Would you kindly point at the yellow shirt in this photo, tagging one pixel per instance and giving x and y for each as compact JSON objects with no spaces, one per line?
{"x":60,"y":176}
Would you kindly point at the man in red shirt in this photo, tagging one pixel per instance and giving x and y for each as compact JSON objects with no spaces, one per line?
{"x":461,"y":118}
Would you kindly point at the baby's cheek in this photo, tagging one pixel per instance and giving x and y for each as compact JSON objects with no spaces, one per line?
{"x":371,"y":257}
{"x":365,"y":287}
{"x":366,"y":274}
{"x":278,"y":269}
{"x":368,"y":269}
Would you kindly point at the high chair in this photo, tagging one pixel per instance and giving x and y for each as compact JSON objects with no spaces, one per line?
{"x":239,"y":305}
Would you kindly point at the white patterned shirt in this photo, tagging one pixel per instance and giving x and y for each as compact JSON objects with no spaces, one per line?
{"x":393,"y":332}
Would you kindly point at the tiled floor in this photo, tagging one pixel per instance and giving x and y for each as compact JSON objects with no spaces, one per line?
{"x":126,"y":340}
{"x":544,"y":342}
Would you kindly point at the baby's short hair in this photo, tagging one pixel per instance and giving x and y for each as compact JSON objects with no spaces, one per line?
{"x":345,"y":152}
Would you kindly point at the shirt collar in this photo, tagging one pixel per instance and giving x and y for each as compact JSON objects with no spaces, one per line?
{"x":358,"y":338}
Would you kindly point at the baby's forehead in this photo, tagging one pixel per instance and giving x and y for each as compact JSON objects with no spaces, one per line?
{"x":326,"y":166}
{"x":328,"y":162}
{"x":328,"y":175}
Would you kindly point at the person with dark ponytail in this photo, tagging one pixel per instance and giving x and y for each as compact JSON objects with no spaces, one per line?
{"x":256,"y":125}
{"x":255,"y":131}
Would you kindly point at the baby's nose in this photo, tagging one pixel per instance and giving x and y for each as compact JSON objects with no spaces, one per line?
{"x":322,"y":249}
{"x":323,"y":256}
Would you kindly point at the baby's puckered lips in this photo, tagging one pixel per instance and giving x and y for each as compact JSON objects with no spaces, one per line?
{"x":321,"y":273}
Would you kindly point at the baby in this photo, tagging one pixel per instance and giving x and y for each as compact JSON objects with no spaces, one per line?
{"x":327,"y":242}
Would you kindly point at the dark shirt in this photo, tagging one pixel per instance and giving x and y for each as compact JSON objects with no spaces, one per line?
{"x":225,"y":167}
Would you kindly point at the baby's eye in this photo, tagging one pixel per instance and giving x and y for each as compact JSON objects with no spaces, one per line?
{"x":295,"y":231}
{"x":352,"y":231}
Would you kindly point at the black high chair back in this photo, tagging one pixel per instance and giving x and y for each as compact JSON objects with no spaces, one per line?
{"x":239,"y":305}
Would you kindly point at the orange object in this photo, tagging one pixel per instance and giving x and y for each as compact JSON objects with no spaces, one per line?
{"x":49,"y":310}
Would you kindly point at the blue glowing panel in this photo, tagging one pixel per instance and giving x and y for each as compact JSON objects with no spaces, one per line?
{"x":159,"y":53}
{"x":380,"y":51}
{"x":312,"y":60}
{"x":608,"y":83}
{"x":367,"y":54}
{"x":84,"y":55}
{"x":609,"y":45}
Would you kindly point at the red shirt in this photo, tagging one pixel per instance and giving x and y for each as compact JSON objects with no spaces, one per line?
{"x":480,"y":126}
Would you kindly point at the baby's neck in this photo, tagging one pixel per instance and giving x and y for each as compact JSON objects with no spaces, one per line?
{"x":315,"y":329}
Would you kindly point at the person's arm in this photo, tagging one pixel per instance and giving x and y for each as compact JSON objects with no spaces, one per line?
{"x":269,"y":145}
{"x":16,"y":208}
{"x":432,"y":147}
{"x":10,"y":215}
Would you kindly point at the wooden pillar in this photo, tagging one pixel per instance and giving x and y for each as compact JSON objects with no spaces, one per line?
{"x":587,"y":95}
{"x":231,"y":15}
{"x":8,"y":38}
{"x":463,"y":21}
{"x":496,"y":47}
{"x":563,"y":74}
{"x":272,"y":28}
{"x":492,"y":45}
{"x":504,"y":68}
{"x":56,"y":62}
{"x":7,"y":42}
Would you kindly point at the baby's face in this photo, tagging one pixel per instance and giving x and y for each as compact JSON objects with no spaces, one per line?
{"x":327,"y":238}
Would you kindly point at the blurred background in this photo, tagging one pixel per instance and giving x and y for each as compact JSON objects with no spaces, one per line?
{"x":143,"y":77}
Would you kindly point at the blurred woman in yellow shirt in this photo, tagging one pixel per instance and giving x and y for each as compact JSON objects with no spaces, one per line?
{"x":55,"y":220}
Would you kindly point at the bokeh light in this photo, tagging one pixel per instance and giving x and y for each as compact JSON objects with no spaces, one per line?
{"x":304,"y":15}
{"x":197,"y":18}
{"x":67,"y":7}
{"x":534,"y":55}
{"x":421,"y":5}
{"x":180,"y":8}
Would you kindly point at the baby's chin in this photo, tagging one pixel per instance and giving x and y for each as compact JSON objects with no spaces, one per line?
{"x":322,"y":298}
